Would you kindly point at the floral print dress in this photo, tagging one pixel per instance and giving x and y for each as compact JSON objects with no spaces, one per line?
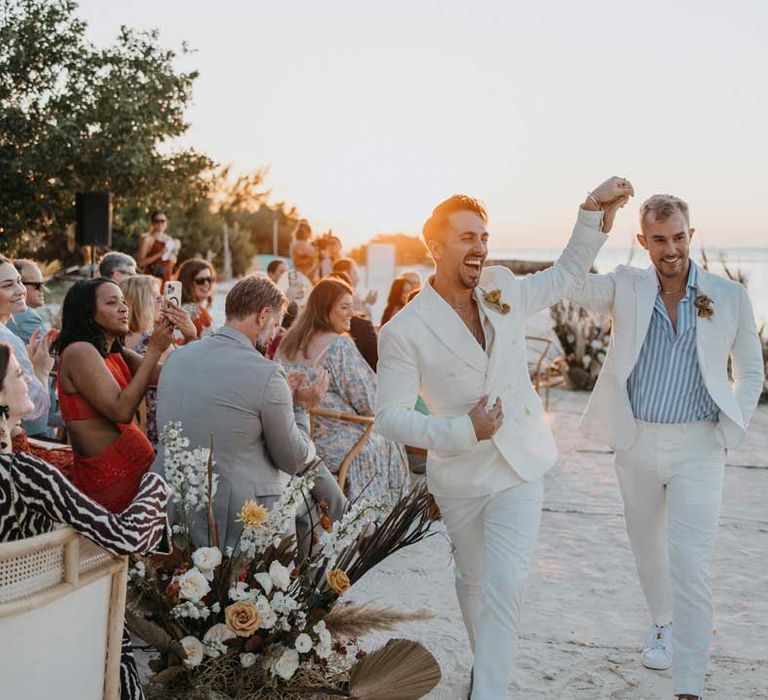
{"x":380,"y":469}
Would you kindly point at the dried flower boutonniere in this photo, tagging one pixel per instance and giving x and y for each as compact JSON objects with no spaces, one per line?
{"x":494,"y":300}
{"x":703,"y":304}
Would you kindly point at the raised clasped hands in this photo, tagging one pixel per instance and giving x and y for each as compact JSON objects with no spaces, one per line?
{"x":306,"y":394}
{"x":610,"y":196}
{"x":486,"y":421}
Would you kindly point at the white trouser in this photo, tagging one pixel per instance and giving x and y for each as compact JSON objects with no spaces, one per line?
{"x":493,"y":539}
{"x":671,"y":481}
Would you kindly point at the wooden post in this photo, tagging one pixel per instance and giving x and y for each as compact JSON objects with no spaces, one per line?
{"x":115,"y":624}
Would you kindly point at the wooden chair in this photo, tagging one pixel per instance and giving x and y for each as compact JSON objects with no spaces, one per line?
{"x":540,"y":369}
{"x":366,"y":421}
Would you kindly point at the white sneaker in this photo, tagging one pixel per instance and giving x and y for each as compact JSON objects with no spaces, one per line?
{"x":658,"y":648}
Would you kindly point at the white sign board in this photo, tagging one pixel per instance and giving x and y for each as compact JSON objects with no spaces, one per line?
{"x":379,"y":273}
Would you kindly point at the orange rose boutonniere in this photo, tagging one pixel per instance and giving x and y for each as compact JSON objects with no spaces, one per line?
{"x":493,"y":300}
{"x":703,"y":304}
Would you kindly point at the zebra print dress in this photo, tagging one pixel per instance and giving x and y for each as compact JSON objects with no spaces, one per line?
{"x":35,"y":497}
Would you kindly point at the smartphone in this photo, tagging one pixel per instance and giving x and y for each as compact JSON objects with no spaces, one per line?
{"x":172,"y":292}
{"x":295,"y":288}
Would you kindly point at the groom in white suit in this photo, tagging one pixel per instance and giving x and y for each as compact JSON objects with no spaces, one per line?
{"x":460,"y":345}
{"x":666,"y":403}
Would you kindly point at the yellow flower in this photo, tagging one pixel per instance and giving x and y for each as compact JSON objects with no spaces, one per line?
{"x":242,"y":618}
{"x":252,"y":515}
{"x":338,"y":581}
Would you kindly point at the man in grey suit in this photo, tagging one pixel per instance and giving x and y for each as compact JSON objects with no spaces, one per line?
{"x":223,"y":386}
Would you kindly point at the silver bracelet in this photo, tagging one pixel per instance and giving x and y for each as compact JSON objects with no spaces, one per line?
{"x":591,"y":196}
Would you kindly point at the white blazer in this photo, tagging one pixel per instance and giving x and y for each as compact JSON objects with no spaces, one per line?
{"x":426,"y":350}
{"x":629,"y":295}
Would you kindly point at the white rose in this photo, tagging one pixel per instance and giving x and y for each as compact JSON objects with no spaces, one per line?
{"x":303,"y":643}
{"x":192,"y":585}
{"x":263,"y":579}
{"x":194,"y":650}
{"x":219,"y":633}
{"x":267,"y":616}
{"x":206,"y":559}
{"x":287,"y":664}
{"x":240,"y":591}
{"x":247,"y":660}
{"x":281,"y":577}
{"x":323,"y":650}
{"x":597,"y":344}
{"x":586,"y":361}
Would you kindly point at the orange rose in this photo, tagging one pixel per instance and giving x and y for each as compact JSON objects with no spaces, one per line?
{"x":242,"y":618}
{"x":338,"y":581}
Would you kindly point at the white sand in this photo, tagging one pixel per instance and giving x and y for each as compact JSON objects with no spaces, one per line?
{"x":584,"y":615}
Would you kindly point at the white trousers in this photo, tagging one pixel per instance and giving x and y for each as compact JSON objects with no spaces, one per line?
{"x":671,"y":481}
{"x":493,"y":538}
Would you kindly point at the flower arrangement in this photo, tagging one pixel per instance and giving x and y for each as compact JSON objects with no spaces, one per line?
{"x":256,"y":621}
{"x":584,"y":337}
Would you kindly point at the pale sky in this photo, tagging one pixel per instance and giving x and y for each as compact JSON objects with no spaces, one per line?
{"x":369,"y":113}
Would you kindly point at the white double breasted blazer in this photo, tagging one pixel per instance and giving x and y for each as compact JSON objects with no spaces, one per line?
{"x":426,"y":350}
{"x":629,"y":295}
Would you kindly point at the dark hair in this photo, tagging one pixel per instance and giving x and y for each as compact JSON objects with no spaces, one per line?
{"x":77,"y":323}
{"x":252,"y":294}
{"x":315,"y":317}
{"x":155,"y":213}
{"x":291,"y":312}
{"x":5,"y":359}
{"x":343,"y":276}
{"x":395,"y":299}
{"x":186,"y":275}
{"x":435,"y":225}
{"x":274,"y":264}
{"x":303,"y":231}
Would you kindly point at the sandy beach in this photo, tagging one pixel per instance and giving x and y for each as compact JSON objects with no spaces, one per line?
{"x":584,"y":616}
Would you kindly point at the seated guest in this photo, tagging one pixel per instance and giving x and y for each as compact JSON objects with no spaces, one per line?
{"x":198,"y":281}
{"x":116,"y":266}
{"x":35,"y":498}
{"x":291,"y":312}
{"x":223,"y":386}
{"x":318,"y":341}
{"x":36,"y":362}
{"x":276,"y":269}
{"x":362,"y":331}
{"x":349,"y":267}
{"x":145,"y":304}
{"x":25,"y":324}
{"x":100,"y":386}
{"x":398,"y":297}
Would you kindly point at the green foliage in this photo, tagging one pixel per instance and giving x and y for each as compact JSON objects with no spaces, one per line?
{"x":409,"y":250}
{"x":74,"y":118}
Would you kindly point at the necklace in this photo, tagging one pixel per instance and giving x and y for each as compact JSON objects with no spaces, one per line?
{"x":464,"y":305}
{"x":679,"y":291}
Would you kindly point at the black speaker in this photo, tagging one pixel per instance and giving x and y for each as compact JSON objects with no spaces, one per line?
{"x":93,"y":219}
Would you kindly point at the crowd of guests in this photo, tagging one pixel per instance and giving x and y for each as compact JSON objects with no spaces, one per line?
{"x":82,"y":405}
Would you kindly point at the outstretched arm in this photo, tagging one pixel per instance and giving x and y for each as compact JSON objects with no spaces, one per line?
{"x":595,"y":219}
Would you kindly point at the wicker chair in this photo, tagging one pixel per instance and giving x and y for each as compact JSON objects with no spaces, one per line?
{"x":541,"y":370}
{"x":366,"y":421}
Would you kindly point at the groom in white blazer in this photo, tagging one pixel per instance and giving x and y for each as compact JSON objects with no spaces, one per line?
{"x":460,"y":345}
{"x":666,"y":403}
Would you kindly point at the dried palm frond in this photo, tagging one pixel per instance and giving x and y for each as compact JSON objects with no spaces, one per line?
{"x":409,"y":522}
{"x":153,"y":634}
{"x":400,"y":670}
{"x":358,"y":619}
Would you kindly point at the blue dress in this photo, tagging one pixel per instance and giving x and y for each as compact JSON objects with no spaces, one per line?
{"x":380,"y":469}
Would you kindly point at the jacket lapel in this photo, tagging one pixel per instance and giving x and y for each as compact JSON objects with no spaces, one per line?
{"x":449,"y":329}
{"x":646,"y":288}
{"x":706,"y":328}
{"x":494,"y":317}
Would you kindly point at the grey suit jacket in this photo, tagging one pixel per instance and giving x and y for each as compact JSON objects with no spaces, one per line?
{"x":222,"y":385}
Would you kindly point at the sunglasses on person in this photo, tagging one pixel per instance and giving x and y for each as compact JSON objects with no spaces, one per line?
{"x":202,"y":281}
{"x":39,"y":286}
{"x":159,"y":221}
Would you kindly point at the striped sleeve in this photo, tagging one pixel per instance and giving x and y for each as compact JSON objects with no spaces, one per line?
{"x":140,"y":528}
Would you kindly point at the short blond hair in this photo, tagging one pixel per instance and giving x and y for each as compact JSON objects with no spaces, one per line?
{"x":140,"y":292}
{"x":662,"y":206}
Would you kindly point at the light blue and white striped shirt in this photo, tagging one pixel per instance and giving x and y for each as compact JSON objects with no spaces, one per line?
{"x":666,"y":385}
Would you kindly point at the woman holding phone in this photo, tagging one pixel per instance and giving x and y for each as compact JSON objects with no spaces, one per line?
{"x":100,"y":385}
{"x":198,"y":282}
